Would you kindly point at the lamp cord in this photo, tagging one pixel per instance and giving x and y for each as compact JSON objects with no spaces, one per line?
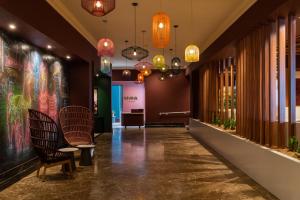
{"x":175,"y":42}
{"x":192,"y":19}
{"x":135,"y":26}
{"x":126,"y":53}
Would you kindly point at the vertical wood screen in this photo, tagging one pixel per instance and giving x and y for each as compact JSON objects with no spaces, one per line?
{"x":265,"y":86}
{"x":257,"y":87}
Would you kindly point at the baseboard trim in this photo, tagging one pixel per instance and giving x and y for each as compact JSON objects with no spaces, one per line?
{"x":13,"y":175}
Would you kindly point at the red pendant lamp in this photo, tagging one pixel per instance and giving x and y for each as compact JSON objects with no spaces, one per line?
{"x":105,"y":46}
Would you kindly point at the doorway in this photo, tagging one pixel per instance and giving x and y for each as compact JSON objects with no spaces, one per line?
{"x":117,"y":104}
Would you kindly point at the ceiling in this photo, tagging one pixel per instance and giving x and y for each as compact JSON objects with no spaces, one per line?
{"x":210,"y":19}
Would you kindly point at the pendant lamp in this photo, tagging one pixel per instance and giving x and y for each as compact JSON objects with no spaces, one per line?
{"x":142,"y":66}
{"x":98,"y":8}
{"x":159,"y":61}
{"x":160,"y":30}
{"x":147,"y":72}
{"x":105,"y":65}
{"x":162,"y":77}
{"x":192,"y":52}
{"x":175,"y":62}
{"x":126,"y":72}
{"x":176,"y":65}
{"x":135,"y":52}
{"x":105,"y":46}
{"x":140,"y":78}
{"x":165,"y":68}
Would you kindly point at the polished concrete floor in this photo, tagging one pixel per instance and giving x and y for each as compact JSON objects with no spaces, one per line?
{"x":158,"y":163}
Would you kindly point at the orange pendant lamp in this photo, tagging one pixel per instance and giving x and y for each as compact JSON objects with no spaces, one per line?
{"x":147,"y":72}
{"x":160,"y":30}
{"x":140,"y":78}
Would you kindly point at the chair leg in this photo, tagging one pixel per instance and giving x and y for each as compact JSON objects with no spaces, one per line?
{"x":44,"y":173}
{"x":38,"y":171}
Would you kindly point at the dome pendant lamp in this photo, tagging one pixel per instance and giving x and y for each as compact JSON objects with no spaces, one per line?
{"x":135,"y":52}
{"x":126,"y":72}
{"x":159,"y":61}
{"x":98,"y":8}
{"x":105,"y":46}
{"x":192,"y":52}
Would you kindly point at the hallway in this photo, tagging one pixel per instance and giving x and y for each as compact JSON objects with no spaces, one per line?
{"x":153,"y":163}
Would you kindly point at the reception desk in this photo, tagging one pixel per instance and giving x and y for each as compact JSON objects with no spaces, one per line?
{"x":133,"y":119}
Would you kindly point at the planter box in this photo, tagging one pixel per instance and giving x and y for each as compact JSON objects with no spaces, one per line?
{"x":277,"y":172}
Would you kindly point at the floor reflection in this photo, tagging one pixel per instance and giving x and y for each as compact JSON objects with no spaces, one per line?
{"x":134,"y":149}
{"x":134,"y":164}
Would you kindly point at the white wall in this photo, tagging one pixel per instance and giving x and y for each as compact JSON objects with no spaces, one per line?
{"x":277,"y":172}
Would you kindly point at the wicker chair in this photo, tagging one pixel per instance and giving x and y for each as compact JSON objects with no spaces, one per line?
{"x":44,"y":138}
{"x":77,"y":125}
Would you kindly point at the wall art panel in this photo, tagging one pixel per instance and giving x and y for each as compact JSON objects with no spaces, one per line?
{"x":28,"y":79}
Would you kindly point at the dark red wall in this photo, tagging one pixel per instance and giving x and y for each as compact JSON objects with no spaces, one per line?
{"x":171,"y":95}
{"x":79,"y":86}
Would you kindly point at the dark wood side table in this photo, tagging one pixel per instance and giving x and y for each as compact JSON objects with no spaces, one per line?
{"x":85,"y":156}
{"x":70,"y":151}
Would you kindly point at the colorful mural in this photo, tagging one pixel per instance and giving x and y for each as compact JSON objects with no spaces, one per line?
{"x":28,"y":79}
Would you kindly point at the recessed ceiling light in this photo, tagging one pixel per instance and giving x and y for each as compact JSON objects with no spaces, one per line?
{"x":68,"y":57}
{"x":49,"y":46}
{"x":12,"y":26}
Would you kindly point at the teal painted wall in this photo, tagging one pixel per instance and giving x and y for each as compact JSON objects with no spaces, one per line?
{"x":117,"y":95}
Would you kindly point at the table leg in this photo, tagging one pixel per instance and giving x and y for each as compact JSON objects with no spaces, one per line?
{"x":66,"y":166}
{"x":85,"y":157}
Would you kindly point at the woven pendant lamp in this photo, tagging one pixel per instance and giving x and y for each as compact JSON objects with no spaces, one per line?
{"x":192,"y":52}
{"x":135,"y":52}
{"x":98,"y":8}
{"x":160,"y":30}
{"x":105,"y":46}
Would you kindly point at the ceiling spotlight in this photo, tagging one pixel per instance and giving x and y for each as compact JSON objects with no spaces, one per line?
{"x":49,"y":46}
{"x":12,"y":26}
{"x":68,"y":57}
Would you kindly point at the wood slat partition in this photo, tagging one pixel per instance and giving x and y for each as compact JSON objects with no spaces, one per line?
{"x":282,"y":136}
{"x":291,"y":75}
{"x":252,"y":85}
{"x":221,"y":92}
{"x":272,"y":85}
{"x":262,"y":93}
{"x":226,"y":90}
{"x":264,"y":86}
{"x":209,"y":92}
{"x":232,"y":89}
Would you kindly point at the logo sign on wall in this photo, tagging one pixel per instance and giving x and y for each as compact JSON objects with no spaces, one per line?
{"x":131,"y":98}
